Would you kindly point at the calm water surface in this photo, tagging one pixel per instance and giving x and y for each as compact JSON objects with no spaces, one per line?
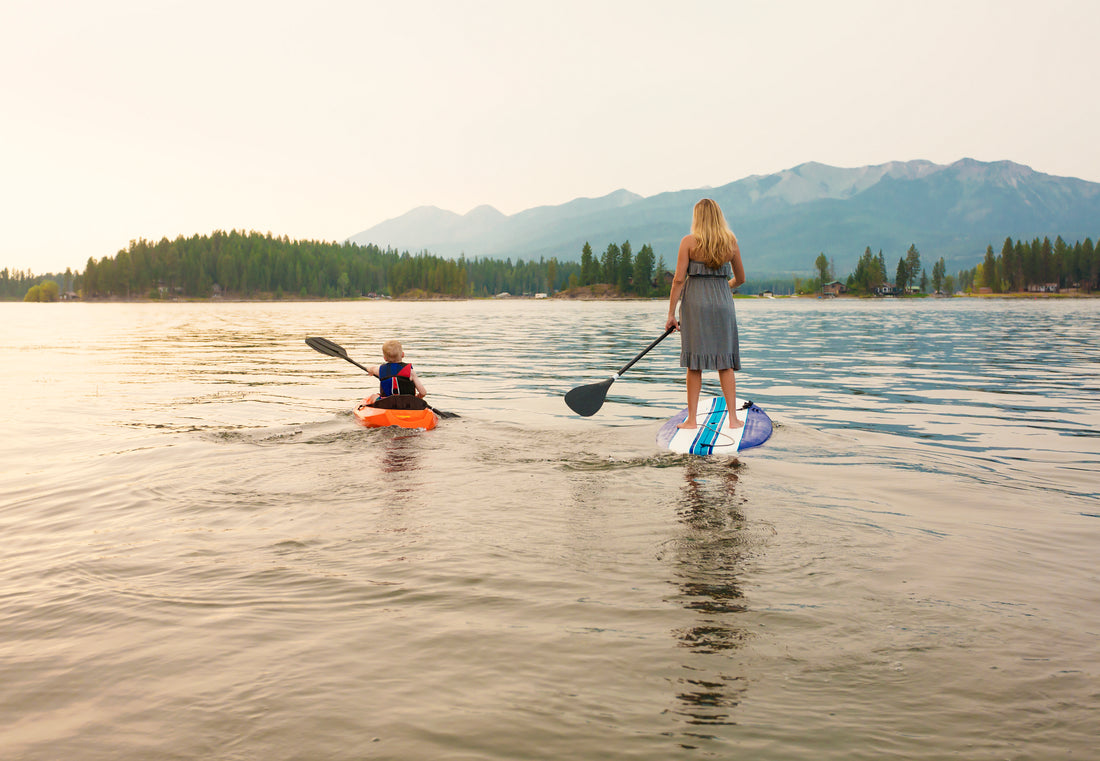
{"x":205,"y":557}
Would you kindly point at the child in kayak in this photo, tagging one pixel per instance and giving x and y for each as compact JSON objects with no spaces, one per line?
{"x":396,"y":377}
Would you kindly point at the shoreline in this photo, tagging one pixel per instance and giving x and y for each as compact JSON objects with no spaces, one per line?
{"x":561,"y":296}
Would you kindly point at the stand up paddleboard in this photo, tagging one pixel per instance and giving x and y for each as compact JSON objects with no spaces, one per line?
{"x":712,"y":434}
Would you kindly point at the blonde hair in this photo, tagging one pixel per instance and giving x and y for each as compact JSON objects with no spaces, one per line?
{"x":715,"y":241}
{"x":391,"y":351}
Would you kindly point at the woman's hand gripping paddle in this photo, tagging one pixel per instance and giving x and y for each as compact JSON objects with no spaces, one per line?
{"x":326,"y":346}
{"x":587,"y":400}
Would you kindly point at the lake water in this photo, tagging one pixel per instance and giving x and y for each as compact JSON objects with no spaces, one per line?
{"x":206,"y":558}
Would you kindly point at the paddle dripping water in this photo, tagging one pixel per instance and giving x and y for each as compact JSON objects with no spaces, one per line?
{"x":206,"y":557}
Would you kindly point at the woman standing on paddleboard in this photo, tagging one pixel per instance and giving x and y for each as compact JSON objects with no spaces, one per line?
{"x":708,"y":265}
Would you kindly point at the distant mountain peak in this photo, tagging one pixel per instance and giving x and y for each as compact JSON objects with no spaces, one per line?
{"x":814,"y":181}
{"x":783,"y":220}
{"x":614,"y":199}
{"x":425,"y":211}
{"x":1006,"y":172}
{"x":624,"y":196}
{"x":485,"y":211}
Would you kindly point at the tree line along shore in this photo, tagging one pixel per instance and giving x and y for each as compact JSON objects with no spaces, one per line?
{"x":1036,"y":266}
{"x":256,"y":266}
{"x":247,"y":266}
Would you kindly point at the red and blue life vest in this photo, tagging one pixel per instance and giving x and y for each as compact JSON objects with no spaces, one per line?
{"x":396,"y":378}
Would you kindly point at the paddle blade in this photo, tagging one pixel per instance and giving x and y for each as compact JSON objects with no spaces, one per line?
{"x":587,"y":400}
{"x":326,"y":346}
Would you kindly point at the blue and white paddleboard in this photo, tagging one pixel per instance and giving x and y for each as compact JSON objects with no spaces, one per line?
{"x":712,"y":434}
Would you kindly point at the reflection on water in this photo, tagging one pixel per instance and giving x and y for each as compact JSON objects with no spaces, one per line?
{"x":709,"y":564}
{"x":400,"y":456}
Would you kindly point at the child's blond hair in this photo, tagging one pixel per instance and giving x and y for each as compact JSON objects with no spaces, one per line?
{"x":391,"y":351}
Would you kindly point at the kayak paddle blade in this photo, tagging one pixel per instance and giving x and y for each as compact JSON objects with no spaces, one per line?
{"x":326,"y":346}
{"x":587,"y":400}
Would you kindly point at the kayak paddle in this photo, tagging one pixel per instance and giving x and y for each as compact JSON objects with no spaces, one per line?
{"x":587,"y":400}
{"x":326,"y":346}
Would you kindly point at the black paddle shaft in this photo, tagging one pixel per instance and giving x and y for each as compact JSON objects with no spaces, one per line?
{"x":645,"y":351}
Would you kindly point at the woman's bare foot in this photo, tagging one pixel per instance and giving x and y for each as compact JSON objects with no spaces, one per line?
{"x":735,"y":423}
{"x":687,"y":425}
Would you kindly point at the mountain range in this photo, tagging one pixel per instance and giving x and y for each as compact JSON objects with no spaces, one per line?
{"x":784,"y":220}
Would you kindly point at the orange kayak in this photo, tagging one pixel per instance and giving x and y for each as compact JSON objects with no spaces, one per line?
{"x":377,"y":417}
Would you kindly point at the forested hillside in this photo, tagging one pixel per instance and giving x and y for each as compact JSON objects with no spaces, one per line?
{"x":253,"y":265}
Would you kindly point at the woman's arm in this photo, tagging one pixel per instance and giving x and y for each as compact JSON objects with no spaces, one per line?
{"x":738,"y":267}
{"x":679,"y":279}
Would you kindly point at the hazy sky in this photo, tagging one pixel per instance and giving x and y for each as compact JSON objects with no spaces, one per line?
{"x":126,"y":119}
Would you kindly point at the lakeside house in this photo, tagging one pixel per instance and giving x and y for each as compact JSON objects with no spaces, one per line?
{"x":833,"y":289}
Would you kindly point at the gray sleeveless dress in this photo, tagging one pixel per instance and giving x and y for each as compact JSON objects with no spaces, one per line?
{"x":708,"y":322}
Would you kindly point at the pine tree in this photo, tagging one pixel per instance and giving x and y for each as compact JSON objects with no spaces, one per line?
{"x":624,"y":267}
{"x":989,"y":271}
{"x":912,"y":264}
{"x":588,"y":265}
{"x":1046,"y":262}
{"x":643,"y":271}
{"x":939,"y":272}
{"x":901,"y":277}
{"x":610,"y":264}
{"x":1019,"y":257}
{"x":822,"y":265}
{"x":662,"y":287}
{"x":1008,"y":264}
{"x":1060,"y":259}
